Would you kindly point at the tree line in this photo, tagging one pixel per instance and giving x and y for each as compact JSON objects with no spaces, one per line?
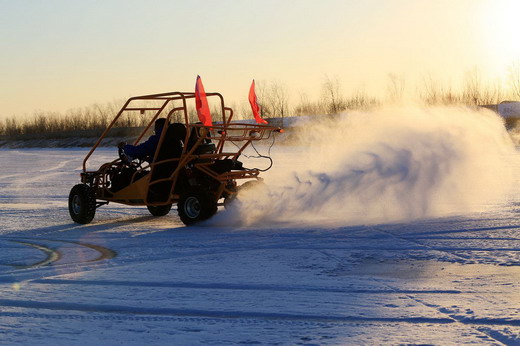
{"x":274,"y":99}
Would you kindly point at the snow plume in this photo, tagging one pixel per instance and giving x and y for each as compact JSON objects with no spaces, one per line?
{"x":515,"y":135}
{"x":388,"y":165}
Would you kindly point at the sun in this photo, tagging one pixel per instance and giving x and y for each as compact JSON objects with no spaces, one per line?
{"x":501,"y":28}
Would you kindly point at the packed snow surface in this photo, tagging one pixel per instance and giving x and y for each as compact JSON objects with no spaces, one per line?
{"x":404,"y":234}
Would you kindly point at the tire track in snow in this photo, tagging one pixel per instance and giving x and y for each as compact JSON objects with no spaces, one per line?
{"x":475,"y":323}
{"x":11,"y":176}
{"x":246,"y":287}
{"x":104,"y":253}
{"x":58,"y":166}
{"x":455,"y":318}
{"x":215,"y":314}
{"x":38,"y":175}
{"x":119,"y":312}
{"x":424,"y":246}
{"x":452,"y":319}
{"x":53,"y":255}
{"x":192,"y":319}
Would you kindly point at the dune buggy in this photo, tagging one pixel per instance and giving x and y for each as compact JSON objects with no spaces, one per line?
{"x":192,"y":167}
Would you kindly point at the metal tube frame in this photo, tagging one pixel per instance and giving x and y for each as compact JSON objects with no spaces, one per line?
{"x":221,"y":132}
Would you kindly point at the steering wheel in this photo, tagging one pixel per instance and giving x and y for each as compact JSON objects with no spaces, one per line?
{"x":124,"y":158}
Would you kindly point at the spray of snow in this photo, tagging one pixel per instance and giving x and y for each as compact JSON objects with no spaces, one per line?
{"x":515,"y":135}
{"x":388,"y":165}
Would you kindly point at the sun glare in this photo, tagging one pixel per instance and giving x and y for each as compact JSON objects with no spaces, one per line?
{"x":502,"y":28}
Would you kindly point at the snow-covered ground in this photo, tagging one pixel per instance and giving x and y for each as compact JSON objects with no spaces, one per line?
{"x":427,"y":277}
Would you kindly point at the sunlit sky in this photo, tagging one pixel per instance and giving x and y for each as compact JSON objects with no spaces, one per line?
{"x":61,"y":54}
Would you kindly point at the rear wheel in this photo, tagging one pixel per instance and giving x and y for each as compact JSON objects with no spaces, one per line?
{"x":82,"y":204}
{"x":195,"y":206}
{"x":160,"y":210}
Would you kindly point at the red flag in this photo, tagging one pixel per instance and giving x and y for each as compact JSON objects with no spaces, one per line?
{"x":201,"y":103}
{"x":254,"y":105}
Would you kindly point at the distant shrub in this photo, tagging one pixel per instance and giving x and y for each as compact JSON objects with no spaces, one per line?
{"x":274,"y":101}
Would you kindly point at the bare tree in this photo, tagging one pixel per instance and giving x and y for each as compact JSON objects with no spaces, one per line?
{"x":429,"y":93}
{"x":307,"y":107}
{"x":279,"y":98}
{"x":12,"y":128}
{"x":395,"y":87}
{"x":243,"y":110}
{"x":273,"y":98}
{"x":514,"y":79}
{"x":331,"y":90}
{"x":263,"y":98}
{"x":359,"y":100}
{"x":472,"y":93}
{"x":433,"y":93}
{"x":492,"y":93}
{"x":476,"y":92}
{"x":448,"y":96}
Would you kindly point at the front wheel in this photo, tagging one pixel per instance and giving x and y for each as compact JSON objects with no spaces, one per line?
{"x":195,"y":206}
{"x":160,"y":210}
{"x":82,"y":204}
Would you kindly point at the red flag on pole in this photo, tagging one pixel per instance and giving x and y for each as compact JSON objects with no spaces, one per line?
{"x":201,"y":103}
{"x":254,"y":105}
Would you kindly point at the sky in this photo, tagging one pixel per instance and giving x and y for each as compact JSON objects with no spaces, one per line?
{"x":57,"y":55}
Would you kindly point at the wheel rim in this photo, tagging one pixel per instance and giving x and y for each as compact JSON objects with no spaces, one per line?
{"x":192,"y":207}
{"x":76,"y":204}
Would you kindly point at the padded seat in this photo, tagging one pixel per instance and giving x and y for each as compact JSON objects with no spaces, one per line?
{"x":171,"y":148}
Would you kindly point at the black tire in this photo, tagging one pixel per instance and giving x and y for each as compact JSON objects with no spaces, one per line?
{"x":195,"y":206}
{"x":160,"y":210}
{"x":82,"y":204}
